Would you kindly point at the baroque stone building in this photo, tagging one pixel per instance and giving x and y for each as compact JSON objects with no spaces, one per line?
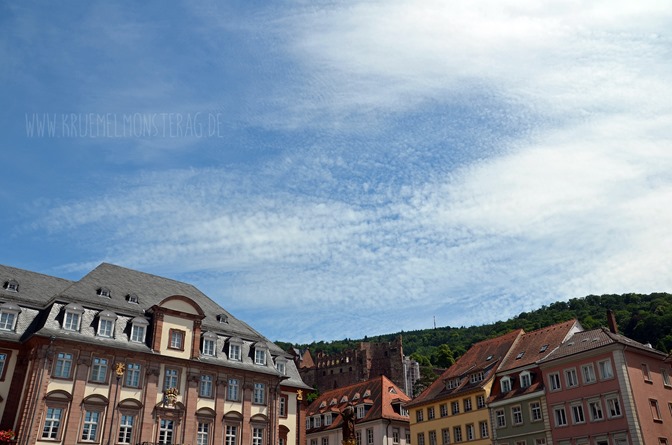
{"x":126,"y":357}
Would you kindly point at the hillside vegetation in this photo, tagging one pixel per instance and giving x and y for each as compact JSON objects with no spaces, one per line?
{"x":645,"y":318}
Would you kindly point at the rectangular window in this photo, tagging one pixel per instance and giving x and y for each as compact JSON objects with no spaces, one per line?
{"x":577,"y":413}
{"x":232,"y":390}
{"x":282,"y":411}
{"x":655,"y":410}
{"x":613,"y":407}
{"x":7,"y":321}
{"x":125,"y":429}
{"x":456,"y":407}
{"x":525,"y":379}
{"x":506,"y":384}
{"x":90,"y":426}
{"x":432,"y":438}
{"x":445,"y":436}
{"x":501,"y":418}
{"x":588,"y":373}
{"x":535,"y":411}
{"x":166,"y":428}
{"x":571,"y":378}
{"x":52,"y":423}
{"x":595,"y":409}
{"x":430,"y":413}
{"x":467,"y":405}
{"x":560,"y":416}
{"x":369,"y":436}
{"x":325,"y":441}
{"x":421,"y":438}
{"x":257,"y":436}
{"x":646,"y":373}
{"x":171,"y":379}
{"x":317,"y":421}
{"x":419,"y":415}
{"x":105,"y":327}
{"x":517,"y":415}
{"x":63,"y":365}
{"x":554,"y":382}
{"x":457,"y":434}
{"x":395,"y":436}
{"x":259,"y":356}
{"x":205,"y":388}
{"x":470,"y":431}
{"x":208,"y":347}
{"x":132,"y":375}
{"x":443,"y":409}
{"x":480,"y":401}
{"x":259,"y":395}
{"x":137,"y":333}
{"x":99,"y":370}
{"x":483,"y":426}
{"x":234,"y":351}
{"x":358,"y":438}
{"x":666,"y":377}
{"x":604,"y":367}
{"x":176,"y":339}
{"x":202,"y":433}
{"x":231,"y":435}
{"x":408,"y":437}
{"x":71,"y":321}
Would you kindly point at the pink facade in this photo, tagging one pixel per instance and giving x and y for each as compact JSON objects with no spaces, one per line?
{"x":585,"y":402}
{"x":650,"y":381}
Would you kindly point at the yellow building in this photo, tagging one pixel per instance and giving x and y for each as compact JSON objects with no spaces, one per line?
{"x":453,"y":408}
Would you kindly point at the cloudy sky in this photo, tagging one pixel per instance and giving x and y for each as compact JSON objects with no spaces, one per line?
{"x":330,"y":169}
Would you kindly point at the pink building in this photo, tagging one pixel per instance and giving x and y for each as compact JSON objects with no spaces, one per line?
{"x":605,"y":389}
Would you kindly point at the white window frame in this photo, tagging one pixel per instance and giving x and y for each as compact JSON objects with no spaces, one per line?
{"x":233,"y":390}
{"x":483,"y":426}
{"x":505,"y":384}
{"x":9,"y":314}
{"x":593,"y":413}
{"x":571,"y":377}
{"x":139,"y":330}
{"x":235,"y":350}
{"x":554,"y":383}
{"x":205,"y":386}
{"x":259,"y":394}
{"x":613,"y":404}
{"x":125,"y":433}
{"x":588,"y":374}
{"x":525,"y":379}
{"x":90,"y":425}
{"x":665,"y":374}
{"x":535,"y":412}
{"x":260,"y":353}
{"x":72,"y":319}
{"x":281,"y":365}
{"x":578,"y":413}
{"x":516,"y":415}
{"x":560,"y":416}
{"x":500,"y":417}
{"x":605,"y":368}
{"x":99,"y":369}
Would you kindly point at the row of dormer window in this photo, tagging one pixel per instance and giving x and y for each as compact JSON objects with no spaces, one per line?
{"x":319,"y":420}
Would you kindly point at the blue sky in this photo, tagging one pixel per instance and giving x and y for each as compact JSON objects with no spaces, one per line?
{"x":328,"y":169}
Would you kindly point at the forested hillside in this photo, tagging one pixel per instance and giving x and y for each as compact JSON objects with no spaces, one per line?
{"x":645,"y":318}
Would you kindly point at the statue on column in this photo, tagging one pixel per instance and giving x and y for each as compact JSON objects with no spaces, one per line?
{"x":348,"y":427}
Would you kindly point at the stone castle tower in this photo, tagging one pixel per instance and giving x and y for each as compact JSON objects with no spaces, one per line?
{"x":332,"y":371}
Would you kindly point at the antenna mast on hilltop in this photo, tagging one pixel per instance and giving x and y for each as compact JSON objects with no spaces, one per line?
{"x":435,"y":322}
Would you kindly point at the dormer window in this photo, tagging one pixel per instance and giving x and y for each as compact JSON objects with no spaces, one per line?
{"x":333,"y":402}
{"x":235,"y":348}
{"x":106,"y":322}
{"x":477,"y":377}
{"x":209,"y":344}
{"x":543,"y":348}
{"x":505,"y":384}
{"x":323,"y":404}
{"x":453,"y":383}
{"x":223,"y":318}
{"x":361,"y":411}
{"x":525,"y":379}
{"x":103,"y":292}
{"x":139,"y":329}
{"x":367,"y":393}
{"x":9,"y":312}
{"x":260,"y":354}
{"x":356,"y":396}
{"x":132,"y":298}
{"x":281,"y":365}
{"x":344,"y":399}
{"x":520,"y":355}
{"x":73,"y":317}
{"x":11,"y":285}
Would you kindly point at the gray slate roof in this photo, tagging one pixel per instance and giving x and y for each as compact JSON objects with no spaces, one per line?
{"x":42,"y":299}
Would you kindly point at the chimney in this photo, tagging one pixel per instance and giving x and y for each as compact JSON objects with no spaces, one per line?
{"x":611,"y":321}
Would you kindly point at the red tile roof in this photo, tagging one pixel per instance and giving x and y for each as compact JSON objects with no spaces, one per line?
{"x":483,"y":356}
{"x":380,"y":393}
